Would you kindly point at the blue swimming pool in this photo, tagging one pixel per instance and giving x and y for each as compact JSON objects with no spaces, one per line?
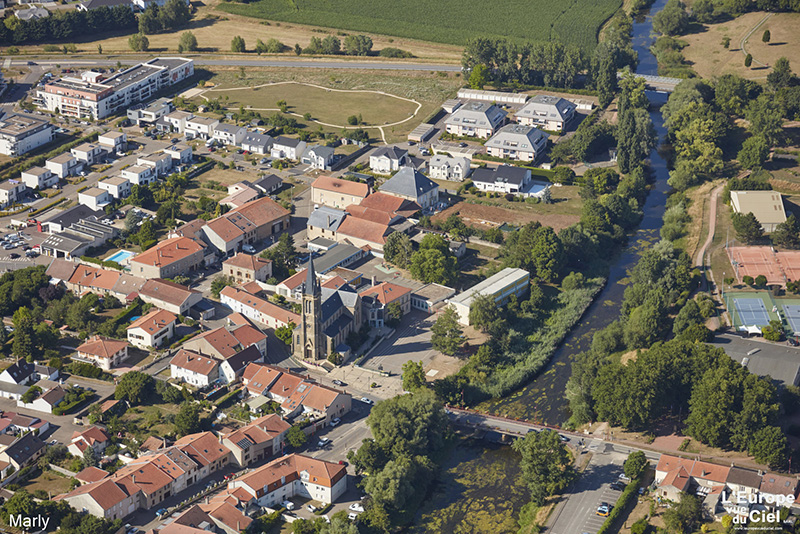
{"x":120,"y":256}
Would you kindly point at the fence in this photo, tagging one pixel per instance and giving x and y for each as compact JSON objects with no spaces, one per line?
{"x":65,"y":472}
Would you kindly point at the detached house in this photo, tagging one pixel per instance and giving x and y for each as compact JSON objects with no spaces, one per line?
{"x":257,"y":143}
{"x":508,"y":179}
{"x":412,"y":185}
{"x":547,"y":112}
{"x":152,"y":330}
{"x":200,"y":127}
{"x":247,"y":268}
{"x":319,"y":157}
{"x":39,"y":178}
{"x":20,"y":373}
{"x":104,"y":352}
{"x":92,"y":438}
{"x":287,"y":148}
{"x":229,"y":134}
{"x":113,"y":141}
{"x":376,"y":301}
{"x":168,"y":259}
{"x":195,"y":369}
{"x":388,"y":159}
{"x":449,"y":168}
{"x":89,"y":153}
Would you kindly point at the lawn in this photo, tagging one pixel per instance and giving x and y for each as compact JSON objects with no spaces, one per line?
{"x":478,"y":490}
{"x":428,"y":88}
{"x":331,"y":106}
{"x":454,"y":22}
{"x":709,"y":58}
{"x":150,"y":419}
{"x":49,"y":481}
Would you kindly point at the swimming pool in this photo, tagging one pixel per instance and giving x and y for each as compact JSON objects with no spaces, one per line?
{"x":120,"y":256}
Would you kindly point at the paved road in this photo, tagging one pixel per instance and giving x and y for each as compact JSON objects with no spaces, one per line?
{"x":294,"y":63}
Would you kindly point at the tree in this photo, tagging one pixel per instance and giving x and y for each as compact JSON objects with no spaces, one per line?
{"x":138,"y":42}
{"x":23,"y":346}
{"x":187,"y":420}
{"x":339,"y":524}
{"x":331,"y":45}
{"x":747,"y":227}
{"x":688,"y":316}
{"x":726,"y":42}
{"x":483,"y":312}
{"x":703,"y":11}
{"x":781,"y":75}
{"x":31,"y":395}
{"x":635,"y":464}
{"x":413,"y":376}
{"x":135,"y":387}
{"x":410,"y":425}
{"x":146,"y":234}
{"x":220,"y":282}
{"x":187,"y":42}
{"x":357,"y":45}
{"x":335,"y":358}
{"x":765,"y":119}
{"x":398,"y":249}
{"x":174,"y":14}
{"x":432,"y":266}
{"x":90,"y":457}
{"x":394,"y":312}
{"x":765,"y":37}
{"x":672,"y":20}
{"x":770,"y":446}
{"x":284,"y":333}
{"x":446,"y":332}
{"x":295,"y":437}
{"x":477,"y":78}
{"x":684,"y":516}
{"x":754,"y":152}
{"x":787,"y":233}
{"x":546,"y":464}
{"x":748,"y":60}
{"x":237,"y":45}
{"x":261,"y":48}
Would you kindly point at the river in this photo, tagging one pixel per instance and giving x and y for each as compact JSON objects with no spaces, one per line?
{"x":543,"y":399}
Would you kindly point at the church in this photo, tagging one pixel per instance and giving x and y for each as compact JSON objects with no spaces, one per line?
{"x":328,"y":317}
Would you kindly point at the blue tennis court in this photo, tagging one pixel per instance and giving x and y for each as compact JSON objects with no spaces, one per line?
{"x":752,"y":312}
{"x":792,"y":313}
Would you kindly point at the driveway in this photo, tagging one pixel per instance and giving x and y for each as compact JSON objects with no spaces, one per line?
{"x":410,"y":341}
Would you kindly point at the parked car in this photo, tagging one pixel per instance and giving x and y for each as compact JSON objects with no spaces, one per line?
{"x":249,"y":249}
{"x":289,"y":505}
{"x":14,"y":256}
{"x":311,"y":508}
{"x":335,"y":421}
{"x":339,"y":383}
{"x":352,"y":516}
{"x":603,"y":510}
{"x":356,"y":507}
{"x":367,"y":401}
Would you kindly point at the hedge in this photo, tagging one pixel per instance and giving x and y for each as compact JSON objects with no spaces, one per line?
{"x":221,"y":403}
{"x":630,"y":492}
{"x":61,"y":409}
{"x":103,"y":263}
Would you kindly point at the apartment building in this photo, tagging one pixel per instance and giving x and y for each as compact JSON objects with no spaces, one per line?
{"x":167,"y":259}
{"x":19,"y":134}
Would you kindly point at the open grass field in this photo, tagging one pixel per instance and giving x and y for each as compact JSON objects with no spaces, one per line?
{"x":709,"y":58}
{"x":331,"y":106}
{"x":428,"y":88}
{"x":454,"y":22}
{"x":49,"y":481}
{"x":215,"y":29}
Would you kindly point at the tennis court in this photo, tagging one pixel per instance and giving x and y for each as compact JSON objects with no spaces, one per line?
{"x":792,"y":314}
{"x":789,"y":262}
{"x":755,"y":261}
{"x":751,"y":311}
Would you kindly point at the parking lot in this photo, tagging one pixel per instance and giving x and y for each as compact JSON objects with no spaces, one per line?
{"x":410,"y":341}
{"x":578,"y":513}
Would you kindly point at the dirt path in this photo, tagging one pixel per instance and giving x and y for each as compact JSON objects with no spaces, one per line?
{"x":712,"y":223}
{"x":746,"y":37}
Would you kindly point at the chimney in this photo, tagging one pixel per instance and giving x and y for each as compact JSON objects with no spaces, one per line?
{"x":133,"y":478}
{"x":374,"y":281}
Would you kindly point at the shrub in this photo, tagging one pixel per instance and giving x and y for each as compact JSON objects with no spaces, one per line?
{"x":748,"y":280}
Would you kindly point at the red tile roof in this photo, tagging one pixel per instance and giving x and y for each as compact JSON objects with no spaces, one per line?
{"x":155,"y":321}
{"x":91,"y":474}
{"x":196,"y":363}
{"x":390,"y":204}
{"x":337,"y":185}
{"x":88,"y":276}
{"x":386,"y":292}
{"x":102,"y":347}
{"x":168,"y":252}
{"x":362,"y":229}
{"x":247,"y":261}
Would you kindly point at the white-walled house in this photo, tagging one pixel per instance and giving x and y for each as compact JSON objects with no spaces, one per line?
{"x":257,"y":143}
{"x":388,"y":159}
{"x":117,"y":186}
{"x":287,"y":148}
{"x":153,"y":329}
{"x":193,"y":368}
{"x":229,"y":134}
{"x":39,"y":177}
{"x":319,"y":157}
{"x":94,"y":198}
{"x":517,"y":142}
{"x":449,"y":168}
{"x":113,"y":141}
{"x":139,"y":174}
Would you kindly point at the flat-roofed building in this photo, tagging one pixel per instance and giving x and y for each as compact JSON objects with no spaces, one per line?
{"x":200,"y":127}
{"x":500,"y":97}
{"x":11,"y":192}
{"x":117,"y":186}
{"x":429,"y":297}
{"x":95,"y":198}
{"x":475,"y":119}
{"x":767,"y":206}
{"x":39,"y":178}
{"x":101,"y":97}
{"x":89,"y":153}
{"x":181,"y":154}
{"x":113,"y":141}
{"x":64,"y":165}
{"x":177,"y":120}
{"x":139,"y":174}
{"x":19,"y":134}
{"x":160,"y":162}
{"x":152,"y":114}
{"x":501,"y":286}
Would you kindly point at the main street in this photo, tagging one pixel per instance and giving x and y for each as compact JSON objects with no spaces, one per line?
{"x":112,"y":61}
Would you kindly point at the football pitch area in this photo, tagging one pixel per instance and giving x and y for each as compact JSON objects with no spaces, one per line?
{"x":574,"y":22}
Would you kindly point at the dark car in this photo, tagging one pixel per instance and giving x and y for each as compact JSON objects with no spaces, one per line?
{"x":14,"y":256}
{"x":174,"y":140}
{"x":793,"y":342}
{"x":339,"y":383}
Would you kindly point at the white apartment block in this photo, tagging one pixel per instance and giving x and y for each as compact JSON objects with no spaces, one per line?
{"x":20,"y":134}
{"x":102,"y":97}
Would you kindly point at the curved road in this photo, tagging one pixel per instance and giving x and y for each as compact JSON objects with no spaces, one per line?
{"x":294,"y":63}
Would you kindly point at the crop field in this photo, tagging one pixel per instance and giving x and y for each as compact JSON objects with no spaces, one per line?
{"x":454,"y":22}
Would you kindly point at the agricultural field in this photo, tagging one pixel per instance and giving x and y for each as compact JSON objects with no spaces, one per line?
{"x":454,"y":22}
{"x":215,"y":29}
{"x":709,"y":58}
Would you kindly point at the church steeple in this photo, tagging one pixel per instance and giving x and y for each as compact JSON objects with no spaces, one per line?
{"x":310,"y":344}
{"x":311,"y":287}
